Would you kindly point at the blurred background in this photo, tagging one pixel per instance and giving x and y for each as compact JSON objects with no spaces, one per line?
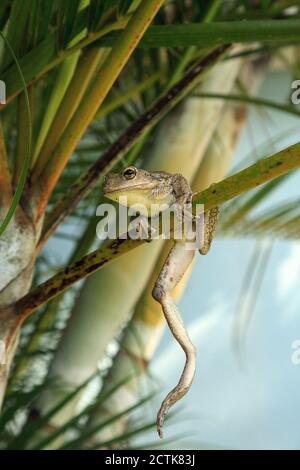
{"x":92,"y":365}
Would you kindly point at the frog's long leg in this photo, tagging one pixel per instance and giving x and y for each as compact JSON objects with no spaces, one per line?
{"x":210,"y":224}
{"x":174,"y":268}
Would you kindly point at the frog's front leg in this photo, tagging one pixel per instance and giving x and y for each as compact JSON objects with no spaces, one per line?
{"x":174,"y":268}
{"x":210,"y":224}
{"x":140,"y":228}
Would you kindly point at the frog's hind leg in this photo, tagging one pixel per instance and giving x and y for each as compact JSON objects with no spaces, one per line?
{"x":174,"y":268}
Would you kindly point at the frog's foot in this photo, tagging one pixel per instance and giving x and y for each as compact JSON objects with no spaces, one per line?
{"x":173,"y":396}
{"x":183,"y":219}
{"x":210,"y":224}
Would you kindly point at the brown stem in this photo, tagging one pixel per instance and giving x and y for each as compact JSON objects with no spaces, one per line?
{"x":66,"y":278}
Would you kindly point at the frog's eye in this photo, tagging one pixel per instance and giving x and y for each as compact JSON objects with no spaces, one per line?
{"x":130,"y":173}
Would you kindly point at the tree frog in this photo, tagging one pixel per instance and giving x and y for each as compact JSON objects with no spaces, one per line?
{"x":164,"y":189}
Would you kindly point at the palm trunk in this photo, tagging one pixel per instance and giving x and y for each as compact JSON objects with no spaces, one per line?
{"x":17,"y":248}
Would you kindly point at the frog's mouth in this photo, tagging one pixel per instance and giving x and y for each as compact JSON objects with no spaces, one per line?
{"x":128,"y":189}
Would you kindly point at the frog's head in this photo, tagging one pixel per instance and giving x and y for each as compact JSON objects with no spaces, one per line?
{"x":129,"y":180}
{"x":140,"y":186}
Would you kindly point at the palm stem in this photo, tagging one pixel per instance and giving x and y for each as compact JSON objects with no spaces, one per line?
{"x":45,"y":57}
{"x":212,"y":34}
{"x":70,"y":102}
{"x":286,"y":108}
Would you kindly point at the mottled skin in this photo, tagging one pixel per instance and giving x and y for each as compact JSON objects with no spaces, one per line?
{"x":157,"y":187}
